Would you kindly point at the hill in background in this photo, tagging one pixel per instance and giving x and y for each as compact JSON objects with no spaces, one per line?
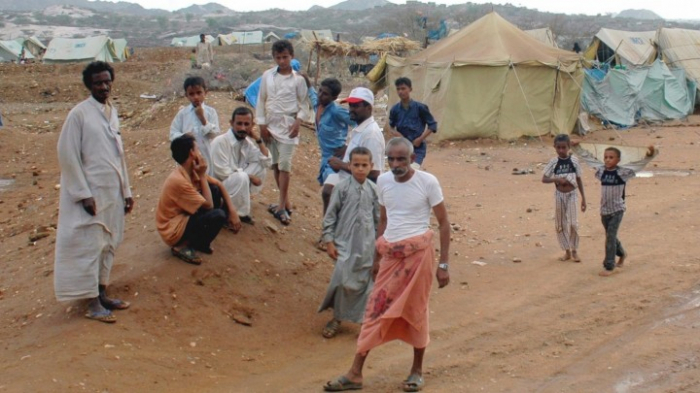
{"x":639,"y":14}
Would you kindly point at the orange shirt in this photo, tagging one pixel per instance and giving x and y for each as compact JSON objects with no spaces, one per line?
{"x":179,"y":199}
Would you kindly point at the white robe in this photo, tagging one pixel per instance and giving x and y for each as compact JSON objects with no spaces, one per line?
{"x":186,"y":121}
{"x":233,"y":161}
{"x":91,"y":159}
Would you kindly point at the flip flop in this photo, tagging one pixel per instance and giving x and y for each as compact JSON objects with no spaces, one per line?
{"x":414,"y":383}
{"x":341,"y":384}
{"x":106,"y":317}
{"x":331,"y":329}
{"x":272,"y":209}
{"x":188,"y":255}
{"x":114,"y":304}
{"x":283,"y":217}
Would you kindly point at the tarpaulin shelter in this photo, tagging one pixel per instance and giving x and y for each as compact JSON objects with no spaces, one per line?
{"x":241,"y":38}
{"x":680,"y":48}
{"x":190,"y":41}
{"x":33,"y":45}
{"x":76,"y":50}
{"x":12,"y":51}
{"x":271,"y":37}
{"x":544,"y":35}
{"x":491,"y":79}
{"x":624,"y":96}
{"x":630,"y":48}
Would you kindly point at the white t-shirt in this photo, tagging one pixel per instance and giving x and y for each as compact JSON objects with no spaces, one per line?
{"x":369,"y":135}
{"x":408,"y":204}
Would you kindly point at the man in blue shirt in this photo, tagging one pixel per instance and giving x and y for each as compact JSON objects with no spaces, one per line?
{"x":409,"y":118}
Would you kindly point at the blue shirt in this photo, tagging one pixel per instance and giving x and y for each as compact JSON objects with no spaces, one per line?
{"x":410,"y":122}
{"x":332,"y":132}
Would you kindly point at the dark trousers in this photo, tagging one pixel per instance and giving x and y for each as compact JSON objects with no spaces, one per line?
{"x":613,"y":247}
{"x":204,"y":225}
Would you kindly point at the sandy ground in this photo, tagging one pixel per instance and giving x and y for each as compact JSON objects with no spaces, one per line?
{"x":540,"y":325}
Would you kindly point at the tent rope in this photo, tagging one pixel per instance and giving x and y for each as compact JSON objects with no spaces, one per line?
{"x":539,"y":134}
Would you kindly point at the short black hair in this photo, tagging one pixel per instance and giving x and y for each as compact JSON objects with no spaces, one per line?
{"x":241,"y":111}
{"x":562,"y":138}
{"x":361,"y":151}
{"x":95,"y":68}
{"x":282,"y":45}
{"x":333,"y":85}
{"x":616,"y":150}
{"x":403,"y":81}
{"x":194,"y":81}
{"x":202,"y":35}
{"x":180,"y":147}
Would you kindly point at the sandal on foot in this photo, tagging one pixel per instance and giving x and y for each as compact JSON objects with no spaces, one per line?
{"x":114,"y":304}
{"x":414,"y":383}
{"x":331,"y":329}
{"x":341,"y":384}
{"x":272,"y":209}
{"x":188,"y":255}
{"x":247,"y":220}
{"x":102,"y":316}
{"x":283,"y":217}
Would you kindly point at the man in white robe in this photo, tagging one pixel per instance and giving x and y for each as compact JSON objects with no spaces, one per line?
{"x":241,"y":160}
{"x":205,"y":53}
{"x":95,"y":196}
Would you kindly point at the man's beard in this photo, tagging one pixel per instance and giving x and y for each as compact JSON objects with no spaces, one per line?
{"x":240,"y":136}
{"x":398,"y":172}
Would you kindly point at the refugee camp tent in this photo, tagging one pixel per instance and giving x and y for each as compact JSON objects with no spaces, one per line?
{"x":491,"y":79}
{"x":308,"y":35}
{"x":76,"y":50}
{"x":12,"y":51}
{"x":121,"y":49}
{"x":33,"y":45}
{"x":680,"y":48}
{"x":190,"y":41}
{"x":625,"y":96}
{"x":271,"y":37}
{"x":241,"y":38}
{"x":544,"y":35}
{"x":629,"y":48}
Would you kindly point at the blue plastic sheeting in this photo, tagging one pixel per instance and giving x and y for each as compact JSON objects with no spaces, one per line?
{"x":291,"y":36}
{"x":386,"y":35}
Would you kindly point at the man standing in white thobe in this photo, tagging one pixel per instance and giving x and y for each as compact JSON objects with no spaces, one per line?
{"x":205,"y":53}
{"x":240,"y":160}
{"x":95,"y":196}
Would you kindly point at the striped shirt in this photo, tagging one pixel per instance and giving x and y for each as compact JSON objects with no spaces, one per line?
{"x":567,"y":168}
{"x":613,"y":184}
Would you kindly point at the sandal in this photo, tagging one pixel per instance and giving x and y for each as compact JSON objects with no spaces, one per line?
{"x":414,"y":383}
{"x":272,"y":209}
{"x":106,"y":316}
{"x":283,"y":217}
{"x":331,"y":329}
{"x":341,"y":384}
{"x":188,"y":255}
{"x":114,"y":304}
{"x":247,"y":220}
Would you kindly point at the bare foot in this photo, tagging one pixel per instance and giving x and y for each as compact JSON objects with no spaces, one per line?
{"x":607,"y":273}
{"x":574,"y":254}
{"x":621,"y":261}
{"x":566,"y":256}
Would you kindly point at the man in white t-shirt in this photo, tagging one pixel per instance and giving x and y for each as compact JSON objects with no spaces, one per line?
{"x":397,"y":308}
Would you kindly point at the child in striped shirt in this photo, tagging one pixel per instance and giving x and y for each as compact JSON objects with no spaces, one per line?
{"x":564,"y":171}
{"x":613,"y":180}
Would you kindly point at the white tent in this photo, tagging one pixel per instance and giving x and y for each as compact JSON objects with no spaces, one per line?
{"x":308,"y":35}
{"x":241,"y":38}
{"x":12,"y":51}
{"x":121,"y":49}
{"x":543,"y":35}
{"x":271,"y":37}
{"x":76,"y":50}
{"x":680,"y":48}
{"x":625,"y":47}
{"x":33,"y":45}
{"x":190,"y":41}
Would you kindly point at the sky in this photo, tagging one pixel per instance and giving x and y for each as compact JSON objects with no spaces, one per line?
{"x":668,"y":9}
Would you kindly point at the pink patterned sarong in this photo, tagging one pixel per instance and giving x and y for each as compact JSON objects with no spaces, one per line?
{"x":397,"y":308}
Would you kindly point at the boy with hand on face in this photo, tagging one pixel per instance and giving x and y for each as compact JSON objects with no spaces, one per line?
{"x":349,"y":231}
{"x":279,"y":112}
{"x":198,"y":118}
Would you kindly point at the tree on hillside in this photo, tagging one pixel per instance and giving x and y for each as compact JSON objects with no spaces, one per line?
{"x":162,"y":22}
{"x":212,"y":23}
{"x":189,"y":17}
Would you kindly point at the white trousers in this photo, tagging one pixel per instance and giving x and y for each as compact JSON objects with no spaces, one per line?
{"x":240,"y":189}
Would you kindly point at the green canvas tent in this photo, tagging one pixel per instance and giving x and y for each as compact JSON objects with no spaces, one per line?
{"x":78,"y":50}
{"x":12,"y":51}
{"x":624,"y":96}
{"x":492,"y":79}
